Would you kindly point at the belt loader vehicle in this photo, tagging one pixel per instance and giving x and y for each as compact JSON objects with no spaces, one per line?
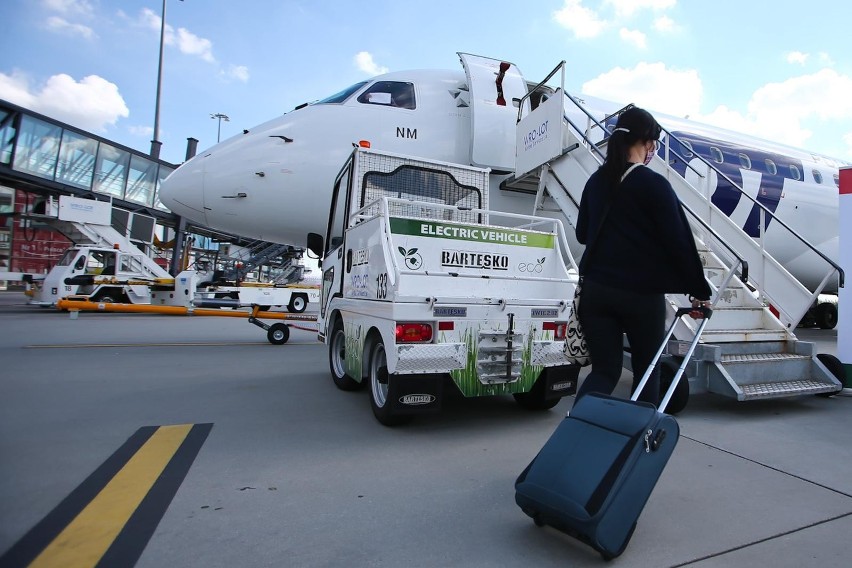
{"x":421,"y":283}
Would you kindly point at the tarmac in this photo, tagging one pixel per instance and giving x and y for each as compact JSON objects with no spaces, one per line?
{"x":279,"y":468}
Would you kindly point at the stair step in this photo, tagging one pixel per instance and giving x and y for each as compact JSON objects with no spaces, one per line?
{"x":785,"y":389}
{"x":731,"y":335}
{"x":762,"y":357}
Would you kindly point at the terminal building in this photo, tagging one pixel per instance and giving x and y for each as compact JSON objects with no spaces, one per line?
{"x":42,"y":159}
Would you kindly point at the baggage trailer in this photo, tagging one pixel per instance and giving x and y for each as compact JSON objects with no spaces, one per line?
{"x":421,"y":283}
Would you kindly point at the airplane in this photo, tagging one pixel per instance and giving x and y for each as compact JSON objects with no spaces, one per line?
{"x":274,"y":181}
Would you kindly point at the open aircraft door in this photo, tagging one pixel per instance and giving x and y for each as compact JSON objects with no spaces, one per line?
{"x":495,"y":89}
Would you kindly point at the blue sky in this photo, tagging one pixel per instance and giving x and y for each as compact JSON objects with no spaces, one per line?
{"x":780,"y":70}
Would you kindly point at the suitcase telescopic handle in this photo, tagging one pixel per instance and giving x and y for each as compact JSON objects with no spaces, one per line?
{"x":706,"y":313}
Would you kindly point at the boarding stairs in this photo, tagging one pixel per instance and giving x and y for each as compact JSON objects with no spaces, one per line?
{"x":748,"y":349}
{"x":278,"y":257}
{"x":95,"y":233}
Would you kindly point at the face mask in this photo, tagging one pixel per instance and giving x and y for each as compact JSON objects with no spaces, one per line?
{"x":650,"y":155}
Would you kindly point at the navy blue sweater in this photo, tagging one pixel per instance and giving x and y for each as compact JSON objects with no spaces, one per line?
{"x":646,"y":244}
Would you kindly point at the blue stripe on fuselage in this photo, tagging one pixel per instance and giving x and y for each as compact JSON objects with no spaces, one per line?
{"x":726,"y":197}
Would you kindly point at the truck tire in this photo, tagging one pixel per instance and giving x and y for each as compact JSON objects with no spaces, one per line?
{"x":298,"y":303}
{"x":337,"y":360}
{"x":826,"y":315}
{"x":278,"y":334}
{"x":380,"y":387}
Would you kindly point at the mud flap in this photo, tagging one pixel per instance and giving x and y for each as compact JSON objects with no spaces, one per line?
{"x":416,"y":394}
{"x":558,"y":381}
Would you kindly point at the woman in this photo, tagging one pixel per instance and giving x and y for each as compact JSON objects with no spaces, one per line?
{"x":643,"y":250}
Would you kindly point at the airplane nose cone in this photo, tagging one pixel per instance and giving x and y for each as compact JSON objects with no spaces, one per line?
{"x":183,"y":191}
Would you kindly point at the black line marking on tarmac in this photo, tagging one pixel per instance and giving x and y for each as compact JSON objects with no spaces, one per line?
{"x":134,"y":536}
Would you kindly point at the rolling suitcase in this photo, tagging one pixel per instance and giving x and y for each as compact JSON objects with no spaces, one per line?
{"x":594,"y":475}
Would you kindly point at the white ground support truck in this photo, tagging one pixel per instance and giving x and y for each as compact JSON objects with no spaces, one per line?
{"x":421,"y":283}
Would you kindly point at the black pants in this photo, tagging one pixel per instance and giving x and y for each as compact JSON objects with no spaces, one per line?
{"x":606,"y":314}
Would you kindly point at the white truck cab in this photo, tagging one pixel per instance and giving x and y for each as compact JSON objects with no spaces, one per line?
{"x":422,"y":283}
{"x":100,"y":274}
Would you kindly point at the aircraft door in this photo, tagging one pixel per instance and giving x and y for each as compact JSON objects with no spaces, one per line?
{"x":495,"y":89}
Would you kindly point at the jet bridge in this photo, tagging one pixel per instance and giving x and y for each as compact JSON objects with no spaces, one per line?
{"x":748,"y":349}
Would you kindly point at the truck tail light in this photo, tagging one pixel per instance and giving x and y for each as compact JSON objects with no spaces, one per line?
{"x":413,"y":332}
{"x":559,"y":328}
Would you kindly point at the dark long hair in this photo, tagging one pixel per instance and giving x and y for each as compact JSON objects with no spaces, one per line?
{"x":634,"y":125}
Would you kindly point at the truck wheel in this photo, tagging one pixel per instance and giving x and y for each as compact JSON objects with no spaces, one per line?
{"x":337,"y":361}
{"x":298,"y":303}
{"x":826,"y":315}
{"x":380,"y":383}
{"x":278,"y":334}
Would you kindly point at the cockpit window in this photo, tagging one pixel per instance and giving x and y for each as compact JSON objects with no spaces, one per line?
{"x":342,"y":95}
{"x":817,"y":176}
{"x":389,"y":93}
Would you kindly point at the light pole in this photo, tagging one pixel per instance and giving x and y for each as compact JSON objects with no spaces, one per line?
{"x":155,"y":143}
{"x":221,"y":117}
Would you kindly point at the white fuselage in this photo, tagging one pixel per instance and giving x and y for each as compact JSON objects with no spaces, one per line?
{"x":274,"y":182}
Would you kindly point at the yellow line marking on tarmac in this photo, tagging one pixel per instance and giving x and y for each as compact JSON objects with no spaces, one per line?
{"x":85,"y":540}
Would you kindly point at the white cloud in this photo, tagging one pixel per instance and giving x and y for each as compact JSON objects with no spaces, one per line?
{"x":364,"y":62}
{"x":825,"y":60}
{"x":142,"y":131}
{"x":664,"y":24}
{"x":848,"y":140}
{"x":635,"y":37}
{"x":189,"y":43}
{"x":238,"y":72}
{"x":82,"y":7}
{"x":630,"y":7}
{"x":57,"y":24}
{"x":92,"y":104}
{"x":797,"y":57}
{"x":581,"y":21}
{"x":186,"y":41}
{"x":15,"y":89}
{"x":781,"y":111}
{"x":650,"y":85}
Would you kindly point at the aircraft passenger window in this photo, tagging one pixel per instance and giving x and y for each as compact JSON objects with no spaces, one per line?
{"x":837,"y":180}
{"x":817,"y":176}
{"x":745,"y":161}
{"x":717,"y":155}
{"x":389,"y":93}
{"x":770,"y":167}
{"x":688,"y":152}
{"x":794,"y":171}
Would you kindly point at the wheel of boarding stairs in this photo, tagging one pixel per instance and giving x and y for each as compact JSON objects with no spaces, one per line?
{"x":278,"y":334}
{"x":298,"y":303}
{"x":826,"y":315}
{"x":834,"y":366}
{"x":680,"y":398}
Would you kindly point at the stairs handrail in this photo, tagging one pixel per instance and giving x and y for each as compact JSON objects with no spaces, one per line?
{"x":669,"y":150}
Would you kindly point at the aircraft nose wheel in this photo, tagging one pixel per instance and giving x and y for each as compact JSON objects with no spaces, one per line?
{"x":278,"y":334}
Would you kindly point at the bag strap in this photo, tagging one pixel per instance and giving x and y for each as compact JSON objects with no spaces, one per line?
{"x":607,"y":207}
